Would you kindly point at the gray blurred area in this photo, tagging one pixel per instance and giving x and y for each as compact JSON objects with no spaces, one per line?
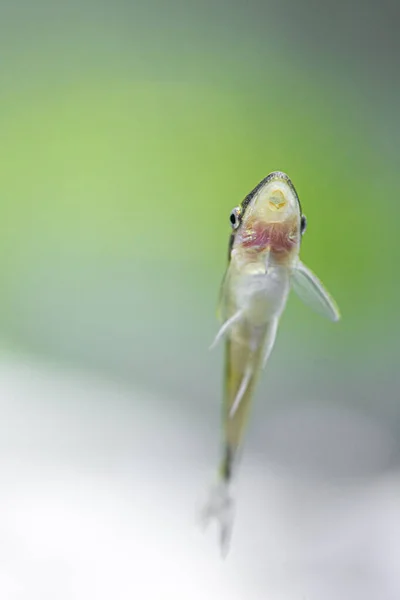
{"x":101,"y":481}
{"x":129,"y":130}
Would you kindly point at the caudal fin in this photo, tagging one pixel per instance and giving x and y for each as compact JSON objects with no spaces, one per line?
{"x":220,"y":507}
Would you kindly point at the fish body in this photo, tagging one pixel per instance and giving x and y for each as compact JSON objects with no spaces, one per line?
{"x":263,"y":266}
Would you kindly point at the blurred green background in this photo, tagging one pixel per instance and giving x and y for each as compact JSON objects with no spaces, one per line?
{"x":128,"y":132}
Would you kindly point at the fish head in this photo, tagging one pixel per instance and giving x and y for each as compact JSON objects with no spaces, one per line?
{"x":269,"y":218}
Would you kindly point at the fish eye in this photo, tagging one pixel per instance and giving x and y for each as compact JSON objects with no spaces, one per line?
{"x":234,"y":217}
{"x":303,"y":224}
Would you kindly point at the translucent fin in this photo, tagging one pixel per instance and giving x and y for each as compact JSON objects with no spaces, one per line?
{"x":270,"y":340}
{"x":225,"y":327}
{"x":220,"y":507}
{"x":222,"y":300}
{"x":241,"y":391}
{"x":310,"y":289}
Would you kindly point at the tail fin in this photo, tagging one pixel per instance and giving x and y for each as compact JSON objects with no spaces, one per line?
{"x":220,"y":506}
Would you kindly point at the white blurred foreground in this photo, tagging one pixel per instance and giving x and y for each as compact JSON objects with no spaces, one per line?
{"x":99,"y":486}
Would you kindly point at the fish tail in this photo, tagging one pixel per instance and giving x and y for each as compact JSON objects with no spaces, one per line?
{"x":220,"y":507}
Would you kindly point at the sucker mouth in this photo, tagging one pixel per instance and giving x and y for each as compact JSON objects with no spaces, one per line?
{"x":277,"y":200}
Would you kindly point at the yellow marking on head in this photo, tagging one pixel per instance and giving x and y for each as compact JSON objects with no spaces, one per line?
{"x":277,"y":200}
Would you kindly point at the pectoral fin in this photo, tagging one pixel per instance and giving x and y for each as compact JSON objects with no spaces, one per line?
{"x":310,"y":289}
{"x":226,"y":327}
{"x":223,"y":296}
{"x":270,"y":340}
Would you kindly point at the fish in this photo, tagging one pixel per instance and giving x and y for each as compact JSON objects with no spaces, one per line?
{"x":263,"y":266}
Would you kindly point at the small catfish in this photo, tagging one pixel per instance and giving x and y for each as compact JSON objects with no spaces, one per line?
{"x":263,"y":265}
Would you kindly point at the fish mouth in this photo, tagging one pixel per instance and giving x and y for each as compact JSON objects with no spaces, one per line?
{"x":277,"y":200}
